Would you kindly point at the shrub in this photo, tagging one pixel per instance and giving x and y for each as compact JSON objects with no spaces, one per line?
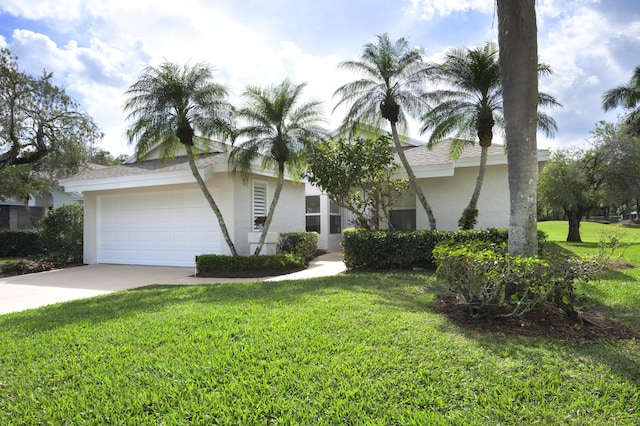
{"x":213,"y":265}
{"x":301,"y":244}
{"x":484,"y":277}
{"x":368,"y":249}
{"x":20,"y":243}
{"x":25,"y":266}
{"x":62,"y":232}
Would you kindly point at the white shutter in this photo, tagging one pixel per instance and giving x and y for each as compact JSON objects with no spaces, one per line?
{"x":259,"y":201}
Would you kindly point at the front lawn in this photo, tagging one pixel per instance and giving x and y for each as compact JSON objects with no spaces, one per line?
{"x":353,"y":349}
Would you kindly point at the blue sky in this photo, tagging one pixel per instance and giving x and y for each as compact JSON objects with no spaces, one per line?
{"x":97,"y":48}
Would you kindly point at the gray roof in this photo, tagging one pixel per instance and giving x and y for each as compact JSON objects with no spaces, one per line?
{"x":145,"y":167}
{"x":439,"y":153}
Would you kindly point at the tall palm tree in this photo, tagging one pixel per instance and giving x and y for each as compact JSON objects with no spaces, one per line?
{"x":393,"y":77}
{"x":280,"y":129}
{"x":167,"y":106}
{"x":628,"y":97}
{"x":518,"y":41}
{"x":470,"y":106}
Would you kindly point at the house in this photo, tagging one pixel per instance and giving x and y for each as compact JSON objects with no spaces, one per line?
{"x":447,"y":185}
{"x":153,"y":212}
{"x":15,"y":215}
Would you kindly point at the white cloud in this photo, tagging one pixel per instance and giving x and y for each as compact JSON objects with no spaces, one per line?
{"x":427,"y":9}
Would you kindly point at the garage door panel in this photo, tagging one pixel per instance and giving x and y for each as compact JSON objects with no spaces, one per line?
{"x":156,"y":228}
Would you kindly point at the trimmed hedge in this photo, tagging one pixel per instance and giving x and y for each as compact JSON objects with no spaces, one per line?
{"x":20,"y":243}
{"x":214,"y":265}
{"x":368,"y":249}
{"x":301,"y":244}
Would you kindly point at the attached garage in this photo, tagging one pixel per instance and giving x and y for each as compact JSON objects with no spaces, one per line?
{"x":167,"y":228}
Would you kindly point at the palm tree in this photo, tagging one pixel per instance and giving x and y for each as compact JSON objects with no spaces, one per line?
{"x":279,"y":130}
{"x":392,"y":82}
{"x":167,"y":106}
{"x":628,"y":97}
{"x":470,"y":106}
{"x":518,"y":41}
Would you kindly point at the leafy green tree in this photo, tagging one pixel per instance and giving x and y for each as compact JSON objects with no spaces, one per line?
{"x":470,"y":105}
{"x":570,"y":181}
{"x":628,"y":97}
{"x":39,"y":121}
{"x":619,"y":150}
{"x":357,"y":175}
{"x":279,"y":129}
{"x":518,"y":44}
{"x":167,"y":106}
{"x":393,"y":79}
{"x":105,"y":158}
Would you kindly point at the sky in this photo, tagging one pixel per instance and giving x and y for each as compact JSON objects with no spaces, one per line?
{"x":97,"y":48}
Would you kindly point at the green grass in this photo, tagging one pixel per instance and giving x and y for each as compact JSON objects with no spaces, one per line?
{"x":354,"y":349}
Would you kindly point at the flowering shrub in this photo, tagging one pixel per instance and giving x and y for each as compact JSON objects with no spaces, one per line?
{"x":259,"y":220}
{"x":25,"y":266}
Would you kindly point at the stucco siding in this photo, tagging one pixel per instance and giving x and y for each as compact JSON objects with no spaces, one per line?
{"x":448,"y":196}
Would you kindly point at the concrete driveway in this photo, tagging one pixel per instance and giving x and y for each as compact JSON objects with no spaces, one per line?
{"x":30,"y":291}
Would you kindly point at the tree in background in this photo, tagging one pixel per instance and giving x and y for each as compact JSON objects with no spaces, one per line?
{"x":167,"y":106}
{"x":280,"y":129}
{"x":518,"y":42}
{"x":357,"y":175}
{"x":571,"y":181}
{"x":393,"y":79}
{"x":628,"y":97}
{"x":105,"y":158}
{"x":619,"y":150}
{"x":470,"y":105}
{"x":39,"y":123}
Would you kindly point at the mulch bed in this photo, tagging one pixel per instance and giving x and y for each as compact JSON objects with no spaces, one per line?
{"x":548,"y":322}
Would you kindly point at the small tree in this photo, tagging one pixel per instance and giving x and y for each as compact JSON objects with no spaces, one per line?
{"x":570,"y":181}
{"x":356,"y":175}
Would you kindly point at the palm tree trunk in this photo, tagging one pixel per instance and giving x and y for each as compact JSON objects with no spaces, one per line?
{"x":517,"y":38}
{"x":412,"y":177}
{"x":272,"y":207}
{"x":212,"y":203}
{"x":473,"y":203}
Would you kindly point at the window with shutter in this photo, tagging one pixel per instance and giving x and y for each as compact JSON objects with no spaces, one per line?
{"x":259,"y":204}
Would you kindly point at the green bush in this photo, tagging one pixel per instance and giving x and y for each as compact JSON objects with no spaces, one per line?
{"x":485,"y":277}
{"x":62,"y":233}
{"x":368,"y":249}
{"x":20,"y":243}
{"x":301,"y":244}
{"x":213,"y":265}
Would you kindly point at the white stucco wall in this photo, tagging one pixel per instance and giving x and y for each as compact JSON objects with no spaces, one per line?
{"x":234,"y":198}
{"x":448,"y":196}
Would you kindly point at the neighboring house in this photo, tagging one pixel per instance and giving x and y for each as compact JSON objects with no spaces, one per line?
{"x":14,"y":214}
{"x":447,"y":184}
{"x":153,"y":212}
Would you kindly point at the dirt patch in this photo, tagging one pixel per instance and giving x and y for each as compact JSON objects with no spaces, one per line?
{"x":548,"y":322}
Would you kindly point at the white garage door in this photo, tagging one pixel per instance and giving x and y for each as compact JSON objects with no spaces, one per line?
{"x":156,"y":228}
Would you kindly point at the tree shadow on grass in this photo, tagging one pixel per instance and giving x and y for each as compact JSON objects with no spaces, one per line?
{"x":156,"y":298}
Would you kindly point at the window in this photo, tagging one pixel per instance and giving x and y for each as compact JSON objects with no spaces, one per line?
{"x":259,"y":204}
{"x":312,"y":209}
{"x":402,"y":220}
{"x":335,"y":218}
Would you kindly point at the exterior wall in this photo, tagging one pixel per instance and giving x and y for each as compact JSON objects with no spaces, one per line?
{"x":233,"y":197}
{"x":448,"y":196}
